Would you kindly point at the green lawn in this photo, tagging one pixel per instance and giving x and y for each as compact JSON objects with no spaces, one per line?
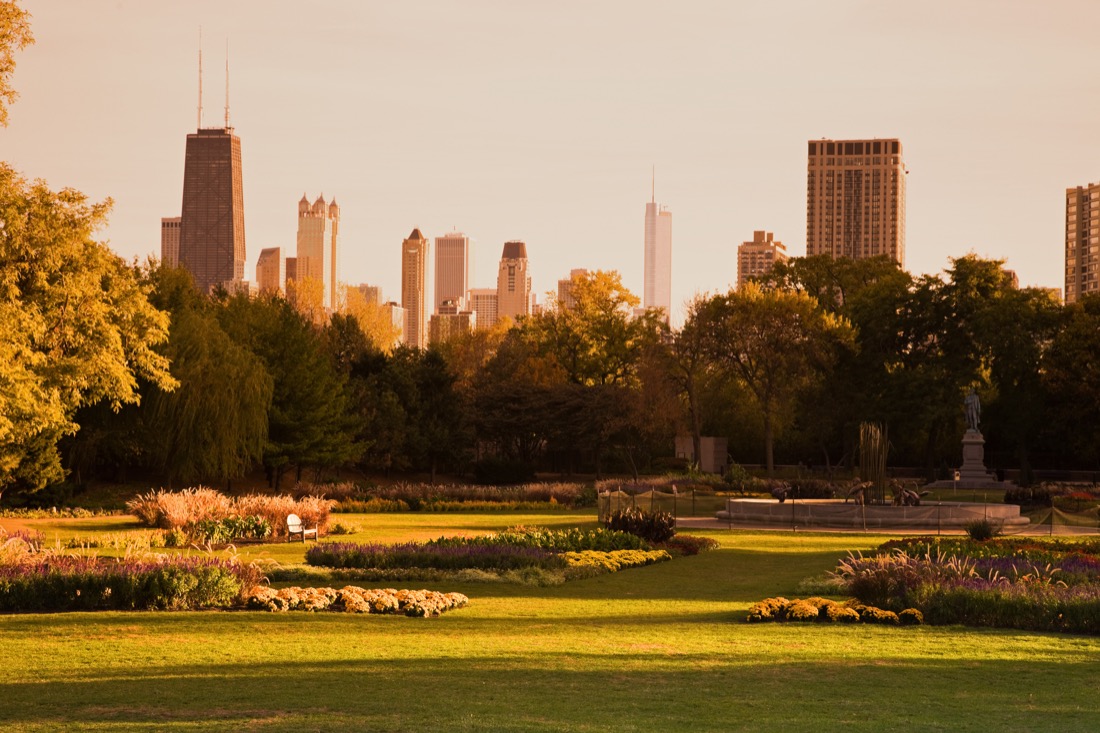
{"x":650,"y":649}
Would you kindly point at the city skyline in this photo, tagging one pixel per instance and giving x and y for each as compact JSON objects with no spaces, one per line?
{"x":556,"y":149}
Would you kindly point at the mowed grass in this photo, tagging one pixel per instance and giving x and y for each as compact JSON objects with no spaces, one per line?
{"x":651,"y":649}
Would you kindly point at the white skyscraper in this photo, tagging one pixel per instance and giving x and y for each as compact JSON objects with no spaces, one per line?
{"x":452,"y":268}
{"x":657,"y":292}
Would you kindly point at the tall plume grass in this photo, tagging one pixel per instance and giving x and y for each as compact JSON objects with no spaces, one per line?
{"x":181,"y":509}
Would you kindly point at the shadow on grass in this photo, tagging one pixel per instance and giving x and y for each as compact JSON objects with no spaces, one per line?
{"x":719,"y":691}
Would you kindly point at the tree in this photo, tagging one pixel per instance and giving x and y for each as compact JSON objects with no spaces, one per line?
{"x":76,"y":326}
{"x":776,"y":342}
{"x":309,"y":423}
{"x":373,"y":319}
{"x":15,"y":35}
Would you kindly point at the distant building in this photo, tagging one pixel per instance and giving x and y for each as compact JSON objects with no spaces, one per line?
{"x":1082,"y":241}
{"x":757,"y":257}
{"x":290,"y":269}
{"x":444,"y":325}
{"x":657,"y":290}
{"x":565,"y":288}
{"x":452,"y":268}
{"x":269,"y":270}
{"x":483,"y":302}
{"x":318,"y":245}
{"x":513,"y":282}
{"x":212,"y":217}
{"x":396,"y":314}
{"x":372,"y":294}
{"x":414,"y":274}
{"x":855,"y":199}
{"x":170,"y":241}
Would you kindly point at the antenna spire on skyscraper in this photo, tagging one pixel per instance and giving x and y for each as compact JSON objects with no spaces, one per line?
{"x":200,"y":78}
{"x":227,"y":83}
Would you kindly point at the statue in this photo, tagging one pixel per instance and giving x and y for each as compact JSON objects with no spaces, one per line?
{"x":973,"y":407}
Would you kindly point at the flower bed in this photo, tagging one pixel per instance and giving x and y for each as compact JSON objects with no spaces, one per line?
{"x":44,"y":582}
{"x":456,"y":556}
{"x":828,"y":611}
{"x":352,"y":599}
{"x":1007,"y":583}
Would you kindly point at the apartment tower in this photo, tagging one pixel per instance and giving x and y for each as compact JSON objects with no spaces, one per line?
{"x":657,"y":290}
{"x":170,"y":241}
{"x":414,"y":277}
{"x":452,"y":268}
{"x":269,"y":270}
{"x":855,"y":199}
{"x":211,"y":245}
{"x":757,"y":257}
{"x":1082,"y":241}
{"x":483,"y":302}
{"x":565,"y":288}
{"x":318,"y":246}
{"x":513,"y":282}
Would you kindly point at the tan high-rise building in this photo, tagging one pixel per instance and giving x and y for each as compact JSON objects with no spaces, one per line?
{"x":483,"y":302}
{"x":757,"y":257}
{"x":212,"y":217}
{"x":170,"y":241}
{"x":372,"y":294}
{"x":452,"y":268}
{"x":565,"y":288}
{"x":397,"y":315}
{"x":855,"y":199}
{"x":414,"y":278}
{"x":657,"y":290}
{"x":318,"y":246}
{"x":269,"y":270}
{"x":444,"y":325}
{"x":290,"y":269}
{"x":1082,"y":241}
{"x":513,"y":282}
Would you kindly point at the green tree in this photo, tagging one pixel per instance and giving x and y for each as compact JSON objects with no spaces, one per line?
{"x":309,"y":423}
{"x":776,"y":342}
{"x":76,"y":326}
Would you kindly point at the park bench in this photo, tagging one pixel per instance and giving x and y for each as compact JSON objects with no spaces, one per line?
{"x":294,"y":526}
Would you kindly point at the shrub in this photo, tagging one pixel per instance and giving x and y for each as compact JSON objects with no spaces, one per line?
{"x":47,"y":583}
{"x":911,"y":617}
{"x":573,"y":539}
{"x":802,"y":611}
{"x":193,"y":507}
{"x":686,"y":544}
{"x":340,"y":491}
{"x":370,"y":506}
{"x":769,"y":609}
{"x":351,"y":599}
{"x":222,"y":531}
{"x":653,"y":527}
{"x":981,"y":530}
{"x":616,"y":560}
{"x":841,"y":614}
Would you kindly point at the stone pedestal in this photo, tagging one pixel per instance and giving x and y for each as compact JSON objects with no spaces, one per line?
{"x":973,"y":466}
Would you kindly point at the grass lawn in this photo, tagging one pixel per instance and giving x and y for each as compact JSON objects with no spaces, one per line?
{"x":656,"y":648}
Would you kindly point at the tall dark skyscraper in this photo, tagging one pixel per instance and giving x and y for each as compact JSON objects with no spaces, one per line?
{"x":212,"y":223}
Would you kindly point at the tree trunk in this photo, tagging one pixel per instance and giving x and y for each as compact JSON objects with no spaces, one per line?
{"x":696,"y":425}
{"x":769,"y":440}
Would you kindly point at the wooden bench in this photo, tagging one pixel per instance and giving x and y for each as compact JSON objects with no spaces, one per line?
{"x":294,"y":526}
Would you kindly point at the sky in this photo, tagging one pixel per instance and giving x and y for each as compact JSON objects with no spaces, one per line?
{"x":543,"y":122}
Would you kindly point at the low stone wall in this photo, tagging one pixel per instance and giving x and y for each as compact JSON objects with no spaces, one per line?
{"x":837,"y":513}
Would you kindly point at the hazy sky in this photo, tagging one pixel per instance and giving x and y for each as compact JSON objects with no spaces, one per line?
{"x":541,"y":120}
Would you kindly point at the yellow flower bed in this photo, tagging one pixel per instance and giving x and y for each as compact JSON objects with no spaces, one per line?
{"x":614,"y":560}
{"x":352,"y":599}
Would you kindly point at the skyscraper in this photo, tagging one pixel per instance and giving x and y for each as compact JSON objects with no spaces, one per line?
{"x":565,"y":288}
{"x":657,"y":292}
{"x":452,"y":268}
{"x":212,"y":219}
{"x":855,"y":199}
{"x":1082,"y":241}
{"x":414,"y":271}
{"x":170,"y":241}
{"x":757,"y":257}
{"x":483,"y":302}
{"x":318,"y":242}
{"x":269,"y":270}
{"x":513,"y":282}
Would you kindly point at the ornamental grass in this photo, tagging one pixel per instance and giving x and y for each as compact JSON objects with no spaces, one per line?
{"x":190,"y":508}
